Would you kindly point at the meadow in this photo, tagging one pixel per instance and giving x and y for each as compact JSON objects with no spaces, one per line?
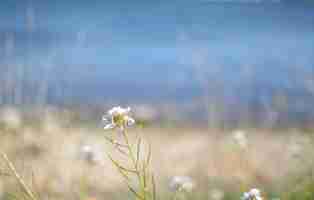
{"x":61,"y":156}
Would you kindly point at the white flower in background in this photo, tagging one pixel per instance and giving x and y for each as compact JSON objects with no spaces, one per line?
{"x":181,"y":183}
{"x":240,"y":137}
{"x":90,"y":154}
{"x":216,"y":194}
{"x":296,"y":145}
{"x":11,"y":117}
{"x":295,"y":150}
{"x":118,"y":117}
{"x":253,"y":194}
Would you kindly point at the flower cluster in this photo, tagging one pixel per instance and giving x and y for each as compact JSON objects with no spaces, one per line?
{"x":253,"y":194}
{"x":118,"y":117}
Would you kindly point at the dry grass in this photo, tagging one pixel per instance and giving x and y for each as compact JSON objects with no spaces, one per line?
{"x":63,"y":169}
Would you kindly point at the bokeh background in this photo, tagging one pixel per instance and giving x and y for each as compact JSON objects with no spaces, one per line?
{"x":223,"y":90}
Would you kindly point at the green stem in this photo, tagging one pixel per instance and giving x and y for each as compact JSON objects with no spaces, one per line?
{"x":129,"y":148}
{"x":134,"y":162}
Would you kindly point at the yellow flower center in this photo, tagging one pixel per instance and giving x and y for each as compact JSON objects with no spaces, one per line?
{"x":119,"y":120}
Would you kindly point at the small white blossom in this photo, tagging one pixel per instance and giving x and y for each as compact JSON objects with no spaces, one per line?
{"x":11,"y":118}
{"x":240,"y":138}
{"x":119,"y":111}
{"x":109,"y":126}
{"x":246,"y":196}
{"x":130,"y":121}
{"x":182,"y":183}
{"x":253,"y":194}
{"x":216,"y":194}
{"x":90,"y":154}
{"x":118,"y":117}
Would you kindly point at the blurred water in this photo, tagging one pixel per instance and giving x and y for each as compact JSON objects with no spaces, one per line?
{"x":161,"y":50}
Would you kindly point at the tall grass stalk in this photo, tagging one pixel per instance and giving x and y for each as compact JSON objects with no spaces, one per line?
{"x":24,"y":187}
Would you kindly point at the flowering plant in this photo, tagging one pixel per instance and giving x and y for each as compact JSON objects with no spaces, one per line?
{"x":138,"y":170}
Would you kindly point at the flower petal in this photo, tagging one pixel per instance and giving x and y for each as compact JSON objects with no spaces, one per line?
{"x":105,"y":118}
{"x":130,"y":121}
{"x":246,"y":196}
{"x":109,"y":126}
{"x":255,"y":192}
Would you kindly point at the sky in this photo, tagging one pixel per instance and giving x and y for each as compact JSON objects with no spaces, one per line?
{"x":167,"y":48}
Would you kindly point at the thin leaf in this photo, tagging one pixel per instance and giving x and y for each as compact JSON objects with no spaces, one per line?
{"x":154,"y":187}
{"x":135,"y":193}
{"x":138,"y":151}
{"x":122,"y":151}
{"x":121,"y":167}
{"x":144,"y":178}
{"x":148,"y":159}
{"x":113,"y":142}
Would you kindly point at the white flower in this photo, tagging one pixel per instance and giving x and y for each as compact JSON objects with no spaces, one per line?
{"x":181,"y":183}
{"x":216,"y":194}
{"x":118,"y":117}
{"x":11,"y":117}
{"x":119,"y":111}
{"x":90,"y":154}
{"x":130,"y":121}
{"x":109,"y":126}
{"x":246,"y":196}
{"x":240,"y":137}
{"x":253,"y":194}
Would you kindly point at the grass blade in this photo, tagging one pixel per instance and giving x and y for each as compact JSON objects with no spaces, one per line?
{"x":154,"y":187}
{"x":149,"y":155}
{"x":17,"y":176}
{"x":121,"y":167}
{"x":138,"y":151}
{"x":135,"y":193}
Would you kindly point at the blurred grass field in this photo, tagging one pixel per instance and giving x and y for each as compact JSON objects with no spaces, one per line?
{"x":222,"y":90}
{"x":62,"y":158}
